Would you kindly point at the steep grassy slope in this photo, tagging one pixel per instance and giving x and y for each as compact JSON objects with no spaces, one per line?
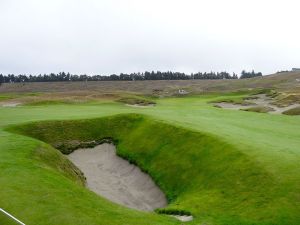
{"x":38,"y":186}
{"x":201,"y":174}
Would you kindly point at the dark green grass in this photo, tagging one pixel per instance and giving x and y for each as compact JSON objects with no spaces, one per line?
{"x":200,"y":174}
{"x":49,"y":102}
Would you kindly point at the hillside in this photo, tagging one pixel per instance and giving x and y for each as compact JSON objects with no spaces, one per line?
{"x":281,"y":81}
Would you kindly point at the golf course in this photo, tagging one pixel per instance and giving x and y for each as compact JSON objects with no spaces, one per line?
{"x":220,"y":166}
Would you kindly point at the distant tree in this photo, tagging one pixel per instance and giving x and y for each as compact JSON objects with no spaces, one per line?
{"x":158,"y":75}
{"x":251,"y":74}
{"x":234,"y":76}
{"x":1,"y":79}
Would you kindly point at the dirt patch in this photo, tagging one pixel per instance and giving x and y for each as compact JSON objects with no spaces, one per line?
{"x":116,"y":179}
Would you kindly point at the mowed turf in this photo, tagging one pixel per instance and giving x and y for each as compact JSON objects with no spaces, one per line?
{"x":224,"y":166}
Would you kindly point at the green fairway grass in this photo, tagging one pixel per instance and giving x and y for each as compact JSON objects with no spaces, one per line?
{"x":223,"y":166}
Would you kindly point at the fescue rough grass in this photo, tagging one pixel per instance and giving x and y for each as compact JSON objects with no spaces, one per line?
{"x":136,"y":100}
{"x":223,"y":166}
{"x":239,"y":98}
{"x":292,"y":112}
{"x":259,"y":109}
{"x":287,"y":100}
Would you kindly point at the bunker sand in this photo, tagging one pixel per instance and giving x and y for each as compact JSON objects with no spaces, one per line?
{"x":116,"y":179}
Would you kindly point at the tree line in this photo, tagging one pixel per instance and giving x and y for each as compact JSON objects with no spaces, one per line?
{"x":251,"y":74}
{"x":62,"y":76}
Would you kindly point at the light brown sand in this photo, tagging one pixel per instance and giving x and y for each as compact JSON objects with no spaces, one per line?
{"x":184,"y":218}
{"x":141,"y":106}
{"x":116,"y":179}
{"x":10,"y":104}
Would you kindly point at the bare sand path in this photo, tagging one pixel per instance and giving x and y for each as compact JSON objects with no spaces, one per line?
{"x":116,"y":179}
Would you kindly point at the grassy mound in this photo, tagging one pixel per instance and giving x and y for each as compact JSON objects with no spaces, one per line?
{"x":292,"y":112}
{"x":41,"y":102}
{"x":236,"y":101}
{"x":235,"y":98}
{"x":286,"y":100}
{"x":259,"y":109}
{"x":200,"y":174}
{"x":136,"y":100}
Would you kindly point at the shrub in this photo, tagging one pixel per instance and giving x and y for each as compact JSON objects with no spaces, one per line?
{"x":178,"y":212}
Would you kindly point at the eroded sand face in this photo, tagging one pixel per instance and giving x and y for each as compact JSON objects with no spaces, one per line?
{"x":116,"y":179}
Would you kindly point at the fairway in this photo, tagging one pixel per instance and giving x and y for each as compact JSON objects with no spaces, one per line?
{"x":222,"y":166}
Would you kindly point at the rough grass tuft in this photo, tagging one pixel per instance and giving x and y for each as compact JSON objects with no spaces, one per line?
{"x":178,"y":212}
{"x":136,"y":100}
{"x":293,"y":112}
{"x":237,"y":101}
{"x":287,"y":100}
{"x":259,"y":109}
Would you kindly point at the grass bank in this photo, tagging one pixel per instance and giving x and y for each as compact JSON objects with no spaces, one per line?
{"x":200,"y":173}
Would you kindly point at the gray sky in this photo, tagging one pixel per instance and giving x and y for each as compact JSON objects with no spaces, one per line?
{"x":113,"y":36}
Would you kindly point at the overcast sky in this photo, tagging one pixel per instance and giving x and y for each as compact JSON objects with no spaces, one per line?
{"x":113,"y":36}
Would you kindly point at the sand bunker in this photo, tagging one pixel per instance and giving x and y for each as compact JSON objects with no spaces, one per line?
{"x":183,"y":218}
{"x":141,"y":106}
{"x":116,"y":179}
{"x":262,"y":100}
{"x":10,"y":104}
